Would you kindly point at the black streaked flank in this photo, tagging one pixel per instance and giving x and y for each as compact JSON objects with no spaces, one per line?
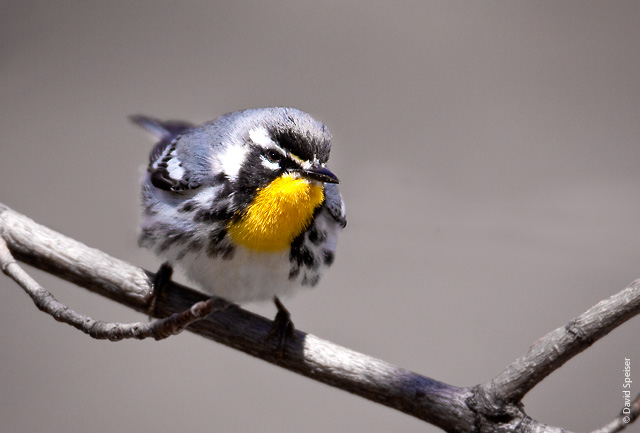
{"x":301,"y":255}
{"x":187,"y":206}
{"x":212,"y":215}
{"x":328,"y":257}
{"x":294,"y":272}
{"x":216,"y":245}
{"x":173,"y":237}
{"x":225,"y":251}
{"x":316,"y":237}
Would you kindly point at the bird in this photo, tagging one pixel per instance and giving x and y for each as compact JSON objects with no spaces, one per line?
{"x":244,"y":205}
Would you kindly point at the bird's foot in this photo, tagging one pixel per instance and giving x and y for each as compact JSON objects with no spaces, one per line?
{"x":282,"y":327}
{"x":161,"y":281}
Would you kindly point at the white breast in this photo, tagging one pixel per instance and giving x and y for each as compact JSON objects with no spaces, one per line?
{"x":248,"y":276}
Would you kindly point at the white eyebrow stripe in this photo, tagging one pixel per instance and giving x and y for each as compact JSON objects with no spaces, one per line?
{"x":260,"y":136}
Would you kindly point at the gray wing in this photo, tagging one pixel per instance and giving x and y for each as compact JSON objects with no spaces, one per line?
{"x":166,"y":170}
{"x":334,"y":204}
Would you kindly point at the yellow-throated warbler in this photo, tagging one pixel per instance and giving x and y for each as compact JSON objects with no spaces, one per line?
{"x":244,"y":204}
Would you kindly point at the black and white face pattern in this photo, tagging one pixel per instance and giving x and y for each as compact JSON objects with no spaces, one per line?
{"x":269,"y":154}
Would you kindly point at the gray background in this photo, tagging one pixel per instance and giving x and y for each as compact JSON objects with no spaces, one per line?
{"x":488,"y":153}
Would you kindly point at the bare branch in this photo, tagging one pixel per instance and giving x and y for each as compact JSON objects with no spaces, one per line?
{"x":75,"y":262}
{"x":436,"y":402}
{"x":623,"y":419}
{"x":554,"y":349}
{"x":492,"y":407}
{"x":46,"y":302}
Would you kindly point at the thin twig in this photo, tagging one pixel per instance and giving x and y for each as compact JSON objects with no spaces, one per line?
{"x":157,"y":329}
{"x":623,"y":419}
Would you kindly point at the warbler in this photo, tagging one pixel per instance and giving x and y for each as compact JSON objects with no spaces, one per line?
{"x":245,"y":204}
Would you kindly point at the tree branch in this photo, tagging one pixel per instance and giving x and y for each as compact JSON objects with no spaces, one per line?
{"x":441,"y":404}
{"x":46,"y":302}
{"x":554,"y":349}
{"x":492,"y":407}
{"x":623,"y":419}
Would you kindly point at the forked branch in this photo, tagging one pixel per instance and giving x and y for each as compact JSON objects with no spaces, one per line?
{"x":492,"y":407}
{"x":158,"y":329}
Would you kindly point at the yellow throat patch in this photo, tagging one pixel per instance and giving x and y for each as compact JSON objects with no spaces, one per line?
{"x":279,"y":213}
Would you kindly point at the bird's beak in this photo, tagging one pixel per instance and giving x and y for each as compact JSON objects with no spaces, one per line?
{"x":319,"y":174}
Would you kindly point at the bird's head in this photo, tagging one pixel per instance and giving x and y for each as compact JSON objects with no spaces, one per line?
{"x":275,"y":158}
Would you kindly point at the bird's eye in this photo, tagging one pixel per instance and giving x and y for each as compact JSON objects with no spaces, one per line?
{"x":273,"y":156}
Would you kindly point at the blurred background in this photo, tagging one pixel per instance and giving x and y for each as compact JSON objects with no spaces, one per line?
{"x":488,"y":153}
